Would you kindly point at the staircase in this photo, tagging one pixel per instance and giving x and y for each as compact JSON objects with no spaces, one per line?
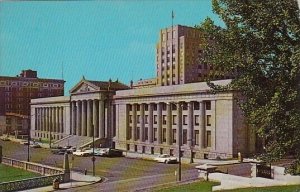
{"x":74,"y":140}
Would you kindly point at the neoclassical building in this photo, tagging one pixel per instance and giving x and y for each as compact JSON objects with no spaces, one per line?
{"x":152,"y":116}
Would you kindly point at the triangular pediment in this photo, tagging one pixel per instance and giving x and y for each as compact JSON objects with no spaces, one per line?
{"x":84,"y":87}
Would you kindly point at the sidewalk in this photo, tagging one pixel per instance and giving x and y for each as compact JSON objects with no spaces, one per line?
{"x":77,"y":180}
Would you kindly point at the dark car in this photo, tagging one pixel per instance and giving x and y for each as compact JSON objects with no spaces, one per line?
{"x":108,"y":152}
{"x":59,"y":151}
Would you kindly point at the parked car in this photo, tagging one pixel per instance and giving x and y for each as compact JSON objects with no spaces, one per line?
{"x":5,"y":138}
{"x":83,"y":152}
{"x":59,"y":151}
{"x":165,"y":158}
{"x":25,"y":142}
{"x":35,"y":145}
{"x":108,"y":152}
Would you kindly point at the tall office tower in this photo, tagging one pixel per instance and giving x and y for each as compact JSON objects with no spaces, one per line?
{"x":179,"y":56}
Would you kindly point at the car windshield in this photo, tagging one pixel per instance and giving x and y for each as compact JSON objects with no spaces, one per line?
{"x":164,"y":156}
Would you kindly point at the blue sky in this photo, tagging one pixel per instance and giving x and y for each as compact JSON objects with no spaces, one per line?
{"x":98,"y":39}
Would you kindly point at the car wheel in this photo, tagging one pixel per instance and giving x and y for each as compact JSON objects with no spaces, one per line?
{"x":166,"y":162}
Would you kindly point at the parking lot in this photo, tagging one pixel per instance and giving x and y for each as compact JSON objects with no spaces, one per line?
{"x":113,"y":169}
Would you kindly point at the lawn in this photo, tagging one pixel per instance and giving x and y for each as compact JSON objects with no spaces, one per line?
{"x":289,"y":188}
{"x":202,"y":186}
{"x":8,"y":173}
{"x":207,"y":186}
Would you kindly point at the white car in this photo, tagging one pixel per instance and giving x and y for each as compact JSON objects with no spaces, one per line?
{"x":82,"y":153}
{"x":165,"y":158}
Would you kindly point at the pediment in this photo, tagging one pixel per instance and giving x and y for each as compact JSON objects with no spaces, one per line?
{"x":84,"y":87}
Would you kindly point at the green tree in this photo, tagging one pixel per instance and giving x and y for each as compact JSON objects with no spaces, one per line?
{"x":260,"y":42}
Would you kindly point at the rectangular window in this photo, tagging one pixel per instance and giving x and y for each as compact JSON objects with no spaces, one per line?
{"x":138,"y":107}
{"x":138,"y":118}
{"x":164,"y":135}
{"x":174,"y":136}
{"x":137,"y":133}
{"x":196,"y":106}
{"x":208,"y":138}
{"x":184,"y":136}
{"x":155,"y":134}
{"x":164,"y":106}
{"x":174,"y":120}
{"x":185,"y":119}
{"x":146,"y":119}
{"x":196,"y":119}
{"x":130,"y":107}
{"x":164,"y":119}
{"x":129,"y":133}
{"x":146,"y":133}
{"x":135,"y":148}
{"x":155,"y":119}
{"x":128,"y":147}
{"x":196,"y":135}
{"x":171,"y":152}
{"x":161,"y":150}
{"x":208,"y":105}
{"x":146,"y":107}
{"x":208,"y":120}
{"x":143,"y":149}
{"x":152,"y":150}
{"x":155,"y":107}
{"x":130,"y":118}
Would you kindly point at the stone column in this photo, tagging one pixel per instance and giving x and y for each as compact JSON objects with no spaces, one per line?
{"x":169,"y":124}
{"x":142,"y":124}
{"x":202,"y":125}
{"x":46,"y":119}
{"x":101,"y":119}
{"x":190,"y":129}
{"x":42,"y":119}
{"x":84,"y":121}
{"x":89,"y":118}
{"x":78,"y":119}
{"x":57,"y":109}
{"x":61,"y":120}
{"x":159,"y":122}
{"x":73,"y":118}
{"x":134,"y":106}
{"x":53,"y":120}
{"x":96,"y":118}
{"x":150,"y":127}
{"x":179,"y":124}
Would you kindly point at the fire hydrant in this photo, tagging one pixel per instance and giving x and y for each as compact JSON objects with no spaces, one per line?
{"x":56,"y":183}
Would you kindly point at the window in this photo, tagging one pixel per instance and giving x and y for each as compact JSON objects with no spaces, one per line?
{"x":208,"y":138}
{"x":164,"y":135}
{"x":164,"y":119}
{"x":155,"y":134}
{"x":174,"y":119}
{"x":129,"y":133}
{"x":154,"y":107}
{"x":146,"y":133}
{"x":138,"y":107}
{"x":146,"y":107}
{"x":184,"y":136}
{"x":171,"y":152}
{"x":208,"y":120}
{"x":161,"y":150}
{"x":196,"y":119}
{"x":138,"y":118}
{"x":130,"y":118}
{"x":164,"y":106}
{"x":174,"y":136}
{"x":185,"y":119}
{"x":152,"y":150}
{"x":184,"y":106}
{"x":155,"y":119}
{"x":174,"y":107}
{"x":208,"y":105}
{"x":143,"y":149}
{"x":146,"y":119}
{"x":130,"y":107}
{"x":196,"y":106}
{"x":138,"y":133}
{"x":128,"y":147}
{"x":135,"y":148}
{"x":196,"y":135}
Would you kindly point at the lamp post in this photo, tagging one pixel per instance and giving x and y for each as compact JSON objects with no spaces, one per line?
{"x":28,"y":140}
{"x":93,"y":158}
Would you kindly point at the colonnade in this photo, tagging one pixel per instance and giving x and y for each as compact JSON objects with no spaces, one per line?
{"x":49,"y":119}
{"x":88,"y":113}
{"x":163,"y":121}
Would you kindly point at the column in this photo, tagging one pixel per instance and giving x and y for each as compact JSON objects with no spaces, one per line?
{"x":57,"y":119}
{"x":159,"y":122}
{"x":73,"y":118}
{"x":83,"y":115}
{"x":96,"y":118}
{"x":61,"y":120}
{"x":179,"y":124}
{"x":169,"y":124}
{"x":101,"y":119}
{"x":53,"y":119}
{"x":190,"y":129}
{"x":78,"y":119}
{"x":42,"y":119}
{"x":89,"y":118}
{"x":150,"y":127}
{"x":142,"y":124}
{"x":46,"y":119}
{"x":202,"y":125}
{"x":134,"y":106}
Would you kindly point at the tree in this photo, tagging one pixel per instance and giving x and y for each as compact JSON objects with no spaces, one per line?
{"x":260,"y":43}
